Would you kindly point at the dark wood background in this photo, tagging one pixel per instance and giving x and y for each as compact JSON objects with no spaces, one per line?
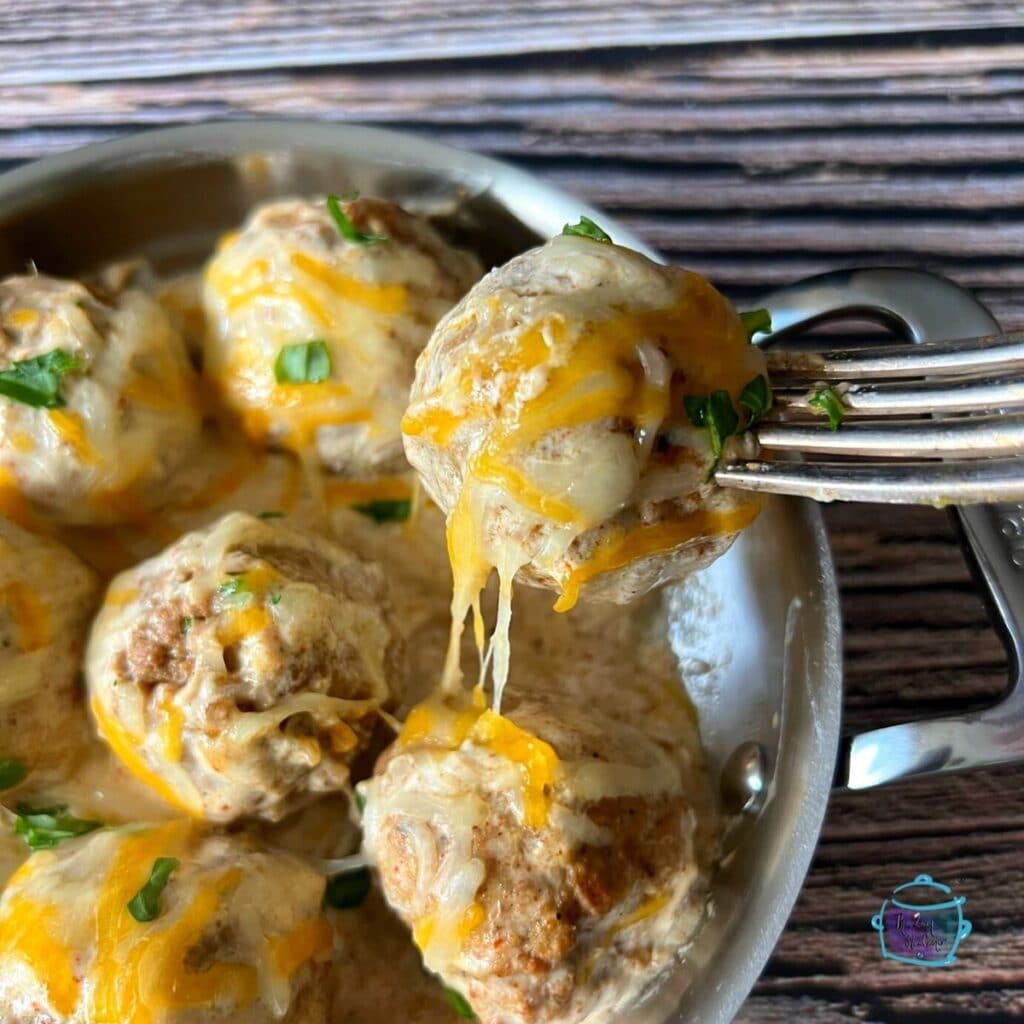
{"x":755,"y":142}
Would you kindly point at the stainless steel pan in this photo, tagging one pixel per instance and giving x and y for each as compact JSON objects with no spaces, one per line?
{"x":758,"y":635}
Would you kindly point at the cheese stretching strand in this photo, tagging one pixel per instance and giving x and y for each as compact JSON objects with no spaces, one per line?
{"x":547,"y":420}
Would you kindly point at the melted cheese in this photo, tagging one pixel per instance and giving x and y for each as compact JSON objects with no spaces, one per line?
{"x":19,"y":319}
{"x":623,"y":547}
{"x":304,"y":943}
{"x":381,"y":298}
{"x":646,"y":910}
{"x":450,"y":724}
{"x":70,"y":428}
{"x":548,"y":378}
{"x":536,"y":759}
{"x":31,"y":617}
{"x":29,"y":931}
{"x":127,"y":747}
{"x":22,"y":442}
{"x":13,"y":503}
{"x":339,"y":491}
{"x":242,"y":624}
{"x":172,"y":727}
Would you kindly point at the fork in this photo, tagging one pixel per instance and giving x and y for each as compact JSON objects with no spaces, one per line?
{"x":924,"y":424}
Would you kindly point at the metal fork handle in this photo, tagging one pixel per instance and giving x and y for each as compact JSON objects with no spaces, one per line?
{"x":925,"y":307}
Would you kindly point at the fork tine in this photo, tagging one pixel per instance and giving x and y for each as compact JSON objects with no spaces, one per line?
{"x":897,"y":483}
{"x":962,"y":438}
{"x":943,"y":396}
{"x":1002,"y":352}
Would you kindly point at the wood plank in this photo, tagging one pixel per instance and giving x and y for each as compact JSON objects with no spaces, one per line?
{"x":47,"y":41}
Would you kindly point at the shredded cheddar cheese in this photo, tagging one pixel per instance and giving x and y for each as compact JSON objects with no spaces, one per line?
{"x":622,"y":547}
{"x":305,"y":942}
{"x":30,"y":615}
{"x":29,"y":931}
{"x":537,"y":760}
{"x":126,"y":748}
{"x":70,"y":428}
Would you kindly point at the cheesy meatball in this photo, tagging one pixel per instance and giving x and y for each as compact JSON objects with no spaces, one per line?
{"x":47,"y":597}
{"x":97,"y":400}
{"x":235,"y":936}
{"x":240,"y":672}
{"x":548,"y":420}
{"x":546,"y":861}
{"x":313,"y":333}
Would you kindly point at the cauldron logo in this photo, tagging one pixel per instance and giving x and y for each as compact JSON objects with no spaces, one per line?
{"x":923,"y":929}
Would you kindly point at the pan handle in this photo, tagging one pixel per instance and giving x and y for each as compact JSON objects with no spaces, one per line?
{"x":926,"y":307}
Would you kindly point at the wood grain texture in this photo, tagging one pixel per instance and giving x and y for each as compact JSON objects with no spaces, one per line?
{"x":104,"y":39}
{"x":758,"y":143}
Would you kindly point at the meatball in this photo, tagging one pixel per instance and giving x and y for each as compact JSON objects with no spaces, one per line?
{"x":98,"y":403}
{"x":547,"y":419}
{"x":289,"y":280}
{"x":240,"y":672}
{"x":47,"y":597}
{"x":547,"y":862}
{"x":239,"y":937}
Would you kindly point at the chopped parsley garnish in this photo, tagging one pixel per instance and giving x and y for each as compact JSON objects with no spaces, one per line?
{"x":756,"y":398}
{"x":235,"y":589}
{"x":586,"y":228}
{"x":394,"y":511}
{"x":12,"y":772}
{"x":308,"y":362}
{"x":275,"y":598}
{"x":360,"y":802}
{"x":346,"y":228}
{"x":757,"y":321}
{"x":186,"y":625}
{"x":44,"y":827}
{"x":457,"y":1001}
{"x":717,"y":415}
{"x":37,"y":381}
{"x":145,"y":904}
{"x":829,"y":402}
{"x":271,"y":515}
{"x":347,"y":890}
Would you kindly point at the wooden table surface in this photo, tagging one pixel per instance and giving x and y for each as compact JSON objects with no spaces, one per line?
{"x":755,"y":142}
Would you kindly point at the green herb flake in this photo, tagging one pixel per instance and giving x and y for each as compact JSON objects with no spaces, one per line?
{"x":308,"y":362}
{"x":186,"y":625}
{"x":275,"y":599}
{"x":396,"y":511}
{"x":43,"y":828}
{"x":271,"y":515}
{"x":360,"y":802}
{"x":716,"y":415}
{"x":12,"y":772}
{"x":145,"y":906}
{"x":234,"y":589}
{"x":346,"y":228}
{"x":347,"y":890}
{"x":457,"y":1001}
{"x":829,"y":402}
{"x":757,"y":321}
{"x":756,"y":398}
{"x":586,"y":228}
{"x":37,"y":381}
